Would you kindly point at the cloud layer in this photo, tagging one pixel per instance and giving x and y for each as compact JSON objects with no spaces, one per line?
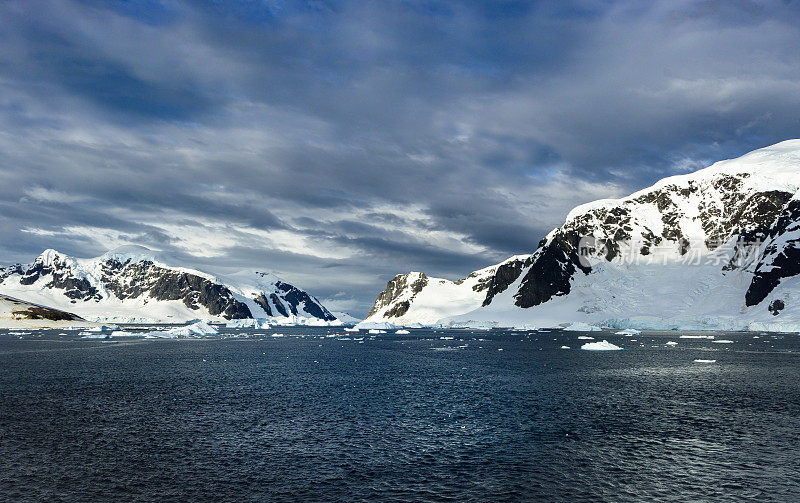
{"x":337,"y":143}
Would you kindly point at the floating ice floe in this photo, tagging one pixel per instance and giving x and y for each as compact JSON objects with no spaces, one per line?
{"x":376,"y":325}
{"x":564,"y":347}
{"x":722,"y":341}
{"x":351,"y":329}
{"x":94,"y":335}
{"x":672,"y":343}
{"x":255,"y":323}
{"x":402,"y":332}
{"x":705,"y":361}
{"x":196,"y":329}
{"x":603,"y":345}
{"x":696,"y":337}
{"x":585,"y":338}
{"x":375,"y":331}
{"x":103,"y":328}
{"x":582,"y":327}
{"x":628,"y":332}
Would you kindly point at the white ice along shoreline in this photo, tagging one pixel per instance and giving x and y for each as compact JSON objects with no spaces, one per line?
{"x":712,"y":250}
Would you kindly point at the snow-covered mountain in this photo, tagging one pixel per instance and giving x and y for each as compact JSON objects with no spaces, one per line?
{"x":131,"y":284}
{"x":716,"y":248}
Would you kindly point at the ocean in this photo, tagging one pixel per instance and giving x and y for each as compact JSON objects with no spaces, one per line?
{"x":318,"y":415}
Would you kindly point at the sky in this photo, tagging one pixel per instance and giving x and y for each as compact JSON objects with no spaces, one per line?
{"x":337,"y":143}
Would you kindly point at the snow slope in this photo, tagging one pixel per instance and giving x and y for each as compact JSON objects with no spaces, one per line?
{"x":15,"y":313}
{"x":133,"y":284}
{"x":718,"y":248}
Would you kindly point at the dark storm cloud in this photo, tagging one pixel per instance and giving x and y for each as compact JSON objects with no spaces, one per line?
{"x":337,"y":143}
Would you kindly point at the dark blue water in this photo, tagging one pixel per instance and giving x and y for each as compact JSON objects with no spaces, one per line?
{"x":391,"y":419}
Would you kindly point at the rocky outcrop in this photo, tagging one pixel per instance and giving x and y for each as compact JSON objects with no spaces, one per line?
{"x":402,"y":285}
{"x":21,"y":310}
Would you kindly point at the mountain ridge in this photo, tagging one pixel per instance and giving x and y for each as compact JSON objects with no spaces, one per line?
{"x":599,"y":265}
{"x":133,"y":284}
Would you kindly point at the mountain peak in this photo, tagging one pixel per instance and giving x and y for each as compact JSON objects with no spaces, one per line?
{"x":51,"y":256}
{"x":133,"y":252}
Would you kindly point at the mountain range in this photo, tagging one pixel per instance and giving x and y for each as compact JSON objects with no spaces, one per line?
{"x":133,"y":285}
{"x":717,"y":248}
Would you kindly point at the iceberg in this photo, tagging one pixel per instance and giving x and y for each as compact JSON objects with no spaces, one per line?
{"x":94,"y":335}
{"x":254,"y":323}
{"x":603,"y":345}
{"x":402,"y":332}
{"x":585,"y":338}
{"x":192,"y":330}
{"x":103,"y":328}
{"x":375,"y":325}
{"x":474,"y":325}
{"x":581,"y":327}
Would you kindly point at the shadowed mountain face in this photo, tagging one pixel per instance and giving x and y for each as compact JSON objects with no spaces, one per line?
{"x":725,"y":239}
{"x":139,"y":286}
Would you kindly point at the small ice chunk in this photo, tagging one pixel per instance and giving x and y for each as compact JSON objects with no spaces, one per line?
{"x":722,"y":341}
{"x":705,"y":361}
{"x":585,"y":338}
{"x":564,"y":347}
{"x":402,"y":332}
{"x":628,"y":332}
{"x":672,"y":343}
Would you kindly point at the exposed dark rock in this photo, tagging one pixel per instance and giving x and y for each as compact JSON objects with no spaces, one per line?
{"x":396,"y":287}
{"x":27,"y":311}
{"x":276,"y":301}
{"x":264,"y":303}
{"x":781,"y":255}
{"x":776,"y":306}
{"x":296,"y":297}
{"x":504,"y":276}
{"x":398,"y":309}
{"x":144,"y":278}
{"x":551,"y":272}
